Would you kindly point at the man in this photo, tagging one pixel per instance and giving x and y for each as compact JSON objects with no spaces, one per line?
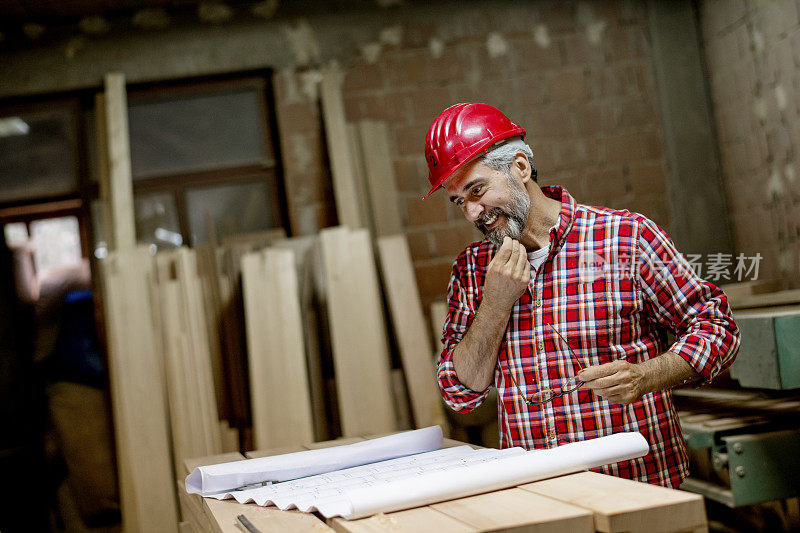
{"x":564,"y":308}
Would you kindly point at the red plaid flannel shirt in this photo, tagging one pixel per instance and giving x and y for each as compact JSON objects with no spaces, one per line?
{"x":612,"y":285}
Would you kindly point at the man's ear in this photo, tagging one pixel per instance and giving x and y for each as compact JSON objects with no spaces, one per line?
{"x":522,"y":167}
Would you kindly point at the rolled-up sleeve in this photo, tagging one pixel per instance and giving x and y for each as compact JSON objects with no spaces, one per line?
{"x":461,"y":311}
{"x":696,"y":310}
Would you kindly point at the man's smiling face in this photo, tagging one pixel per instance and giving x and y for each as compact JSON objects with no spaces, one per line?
{"x":494,"y":201}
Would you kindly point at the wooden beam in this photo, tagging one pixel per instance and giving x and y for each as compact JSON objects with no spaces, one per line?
{"x":358,"y":333}
{"x":121,"y":226}
{"x":345,"y":189}
{"x":410,"y":330}
{"x":280,"y":398}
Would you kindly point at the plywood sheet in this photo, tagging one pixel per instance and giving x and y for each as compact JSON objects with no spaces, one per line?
{"x":419,"y":520}
{"x":358,"y":333}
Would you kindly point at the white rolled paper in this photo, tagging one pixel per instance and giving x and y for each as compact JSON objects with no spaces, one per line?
{"x":214,"y":479}
{"x":458,"y":482}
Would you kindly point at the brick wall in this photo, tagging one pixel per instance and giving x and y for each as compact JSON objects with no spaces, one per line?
{"x":576,"y":75}
{"x":752,"y":49}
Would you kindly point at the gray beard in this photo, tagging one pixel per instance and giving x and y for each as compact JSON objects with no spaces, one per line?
{"x":516,"y":214}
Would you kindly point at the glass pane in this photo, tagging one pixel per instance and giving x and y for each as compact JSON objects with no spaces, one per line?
{"x":232,"y":209}
{"x":57,"y":243}
{"x":194,"y":133}
{"x":37,"y":155}
{"x":16,"y":233}
{"x":157,"y":220}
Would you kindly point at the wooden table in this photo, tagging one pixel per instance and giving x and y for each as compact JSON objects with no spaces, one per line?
{"x":580,"y":503}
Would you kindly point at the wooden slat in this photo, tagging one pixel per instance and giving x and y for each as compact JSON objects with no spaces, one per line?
{"x":281,"y":404}
{"x":379,"y":171}
{"x":516,"y":510}
{"x":344,"y":184}
{"x":311,"y":280}
{"x":410,"y":330}
{"x":623,"y":505}
{"x":422,"y":520}
{"x":122,"y":228}
{"x":358,"y":333}
{"x":137,"y":390}
{"x":780,"y":298}
{"x":274,"y":451}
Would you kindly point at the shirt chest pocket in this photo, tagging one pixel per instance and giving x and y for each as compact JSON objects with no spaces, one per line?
{"x":605,"y":311}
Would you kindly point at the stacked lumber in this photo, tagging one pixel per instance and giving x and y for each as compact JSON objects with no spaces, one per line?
{"x":186,"y":354}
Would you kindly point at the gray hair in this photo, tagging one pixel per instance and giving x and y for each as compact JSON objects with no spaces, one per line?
{"x":502,"y":157}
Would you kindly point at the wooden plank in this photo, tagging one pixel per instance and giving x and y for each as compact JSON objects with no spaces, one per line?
{"x":438,"y":316}
{"x":623,"y":505}
{"x":311,"y":280}
{"x":789,"y":297}
{"x":197,"y":359}
{"x":274,"y":451}
{"x":265,"y":519}
{"x":122,"y":227}
{"x":358,"y":333}
{"x":411,"y":333}
{"x":342,"y":174}
{"x":360,"y":177}
{"x":421,"y":519}
{"x":137,"y":390}
{"x":208,"y":271}
{"x":516,"y":510}
{"x":379,"y":171}
{"x":280,"y":399}
{"x":335,"y":442}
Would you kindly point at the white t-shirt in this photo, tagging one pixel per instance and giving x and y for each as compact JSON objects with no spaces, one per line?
{"x":537,"y":257}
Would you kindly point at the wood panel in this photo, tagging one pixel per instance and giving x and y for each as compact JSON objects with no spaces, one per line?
{"x":623,"y":505}
{"x":280,"y":399}
{"x":358,"y":333}
{"x":345,"y":189}
{"x":137,"y":391}
{"x":410,"y":330}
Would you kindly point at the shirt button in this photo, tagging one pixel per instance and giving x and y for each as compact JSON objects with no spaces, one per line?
{"x":540,"y":345}
{"x":552,"y":435}
{"x":538,"y":303}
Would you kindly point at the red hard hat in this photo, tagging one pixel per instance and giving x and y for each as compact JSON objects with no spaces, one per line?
{"x":459,"y":133}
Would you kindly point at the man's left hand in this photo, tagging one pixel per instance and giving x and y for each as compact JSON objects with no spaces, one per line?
{"x":618,"y":382}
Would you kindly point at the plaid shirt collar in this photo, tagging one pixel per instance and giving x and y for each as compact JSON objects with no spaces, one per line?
{"x":558,"y":235}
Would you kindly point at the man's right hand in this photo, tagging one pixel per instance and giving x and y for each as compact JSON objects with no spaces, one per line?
{"x":507,"y":276}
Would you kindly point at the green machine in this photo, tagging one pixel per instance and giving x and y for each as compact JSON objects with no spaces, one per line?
{"x":744,"y":444}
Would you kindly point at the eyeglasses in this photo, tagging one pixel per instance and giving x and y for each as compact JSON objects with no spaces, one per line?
{"x":548,"y":395}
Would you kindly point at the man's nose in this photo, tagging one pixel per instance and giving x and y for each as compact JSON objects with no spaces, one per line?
{"x":472,"y":210}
